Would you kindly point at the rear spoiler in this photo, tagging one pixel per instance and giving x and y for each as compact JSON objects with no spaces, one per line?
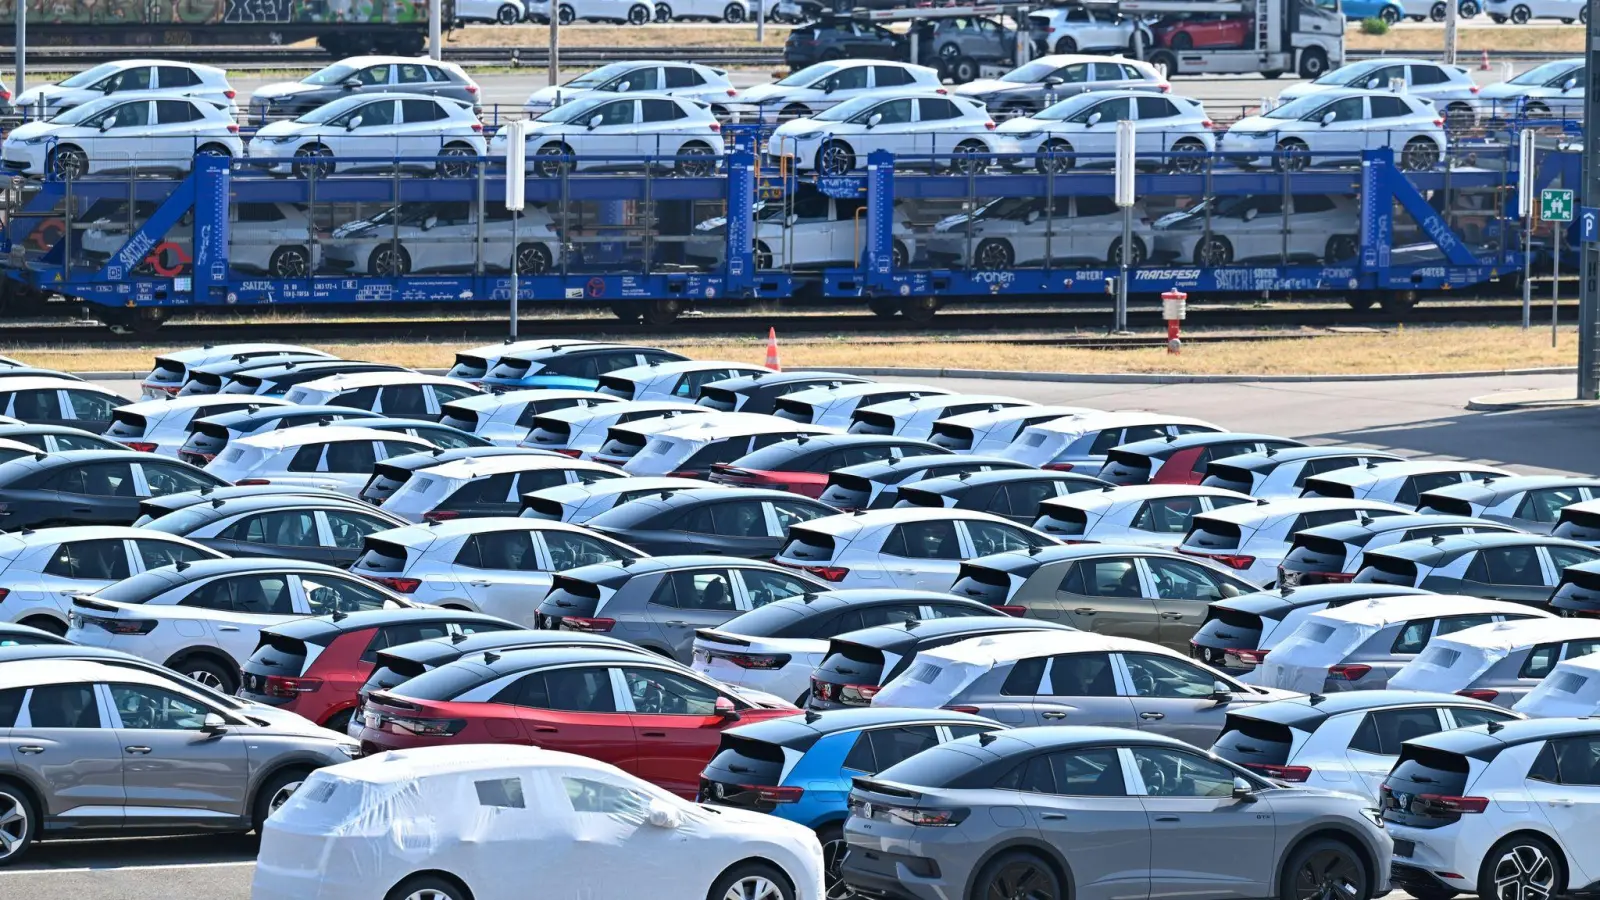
{"x":388,"y":699}
{"x":91,"y":603}
{"x":709,"y":634}
{"x":863,"y":783}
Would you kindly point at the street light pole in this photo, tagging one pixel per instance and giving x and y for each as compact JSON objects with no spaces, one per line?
{"x":22,"y":49}
{"x":555,"y":42}
{"x":435,"y":27}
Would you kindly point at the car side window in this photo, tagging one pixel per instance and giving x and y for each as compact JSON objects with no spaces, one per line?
{"x":411,"y":73}
{"x":164,"y":479}
{"x":1178,"y":579}
{"x":176,"y":76}
{"x":156,"y":554}
{"x":64,"y":706}
{"x":1515,"y":565}
{"x":586,"y":689}
{"x":255,"y":594}
{"x":325,"y":596}
{"x":794,"y":512}
{"x":1573,"y":761}
{"x":510,"y":550}
{"x":148,"y":707}
{"x":704,"y":589}
{"x":619,"y":112}
{"x":1167,"y":515}
{"x":1167,"y":677}
{"x":571,"y":549}
{"x":1155,"y":107}
{"x":1108,"y":72}
{"x":1545,"y":505}
{"x":1385,"y":730}
{"x":103,"y":560}
{"x":419,"y":111}
{"x":1413,"y":636}
{"x":1093,"y":772}
{"x":1540,"y":661}
{"x":664,"y":693}
{"x":1081,"y":675}
{"x":351,"y":528}
{"x":1386,"y":107}
{"x":1113,"y":577}
{"x":286,"y":528}
{"x":596,"y":793}
{"x":353,"y":457}
{"x":887,"y":76}
{"x":175,"y":112}
{"x":1453,"y":624}
{"x":660,"y":110}
{"x":1562,"y":557}
{"x":107,"y":480}
{"x":1022,"y":498}
{"x":683,"y":76}
{"x":894,"y":112}
{"x":1178,"y":773}
{"x":992,"y":537}
{"x":763,"y":587}
{"x":935,"y":539}
{"x":740,"y":518}
{"x":33,"y":406}
{"x":1466,"y":717}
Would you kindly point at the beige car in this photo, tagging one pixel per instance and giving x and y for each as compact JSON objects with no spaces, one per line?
{"x":1119,"y":590}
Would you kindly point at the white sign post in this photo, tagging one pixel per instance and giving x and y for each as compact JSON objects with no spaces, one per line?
{"x":516,"y":185}
{"x":1525,"y":210}
{"x":1124,"y":191}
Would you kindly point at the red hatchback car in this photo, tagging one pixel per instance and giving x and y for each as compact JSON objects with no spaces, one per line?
{"x":802,"y":465}
{"x":1220,"y":33}
{"x":652,"y":717}
{"x":1182,"y":459}
{"x":316,"y":667}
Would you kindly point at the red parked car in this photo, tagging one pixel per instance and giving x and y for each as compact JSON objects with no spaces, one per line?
{"x":316,"y":667}
{"x":1182,"y":459}
{"x":802,"y":465}
{"x":652,"y":717}
{"x":1188,"y":34}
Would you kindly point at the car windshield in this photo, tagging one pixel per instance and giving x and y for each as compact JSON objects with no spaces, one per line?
{"x":805,"y":76}
{"x":139,"y":588}
{"x":574,"y":111}
{"x":407,"y":214}
{"x":849,"y":108}
{"x":1031,"y":73}
{"x":1549,"y":73}
{"x":90,"y":76}
{"x":330,"y":110}
{"x":601,"y":75}
{"x":1299,"y":109}
{"x":1069,"y":106}
{"x":1352,"y":73}
{"x":337,"y":73}
{"x":78,"y":114}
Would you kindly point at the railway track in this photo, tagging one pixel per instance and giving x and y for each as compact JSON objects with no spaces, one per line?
{"x":1077,"y":326}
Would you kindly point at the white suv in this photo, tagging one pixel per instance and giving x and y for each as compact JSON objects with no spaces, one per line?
{"x":126,"y":78}
{"x":162,"y":426}
{"x":505,"y":418}
{"x":334,"y":457}
{"x":489,"y":486}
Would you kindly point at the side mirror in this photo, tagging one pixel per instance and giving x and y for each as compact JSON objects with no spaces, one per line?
{"x":1220,"y":692}
{"x":1569,"y":84}
{"x":429,"y":222}
{"x":1052,"y":81}
{"x":874,"y":120}
{"x":1032,"y":217}
{"x":664,"y":816}
{"x":727,"y":711}
{"x":831,"y":85}
{"x":350,"y":84}
{"x":595,"y":122}
{"x":214,"y":724}
{"x":106,"y":123}
{"x":1328,"y":118}
{"x":1230,"y":591}
{"x":624,"y":87}
{"x":1094,"y":118}
{"x":1250,"y":214}
{"x":1374,"y":83}
{"x":108,"y":89}
{"x":353,"y":124}
{"x":1243,"y":792}
{"x":790,"y":219}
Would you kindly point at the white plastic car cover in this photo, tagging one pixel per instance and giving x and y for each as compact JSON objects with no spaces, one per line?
{"x":1571,"y":689}
{"x":1453,"y":662}
{"x":1301,"y":662}
{"x":940,"y":674}
{"x":507,"y":820}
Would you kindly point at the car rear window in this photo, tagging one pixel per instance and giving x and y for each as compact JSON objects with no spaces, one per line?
{"x":382,"y":556}
{"x":982,"y":583}
{"x":1209,"y":534}
{"x":570,"y":597}
{"x":808,"y":545}
{"x":137,"y":589}
{"x":775,"y":620}
{"x":1233,"y":478}
{"x":1380,"y":569}
{"x":1254,"y":743}
{"x":443,"y":683}
{"x":947,"y":765}
{"x":742,"y":760}
{"x":1061,"y":521}
{"x":720,"y":399}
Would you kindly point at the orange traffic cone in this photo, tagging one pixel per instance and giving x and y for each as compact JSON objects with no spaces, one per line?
{"x":772,"y":350}
{"x":1484,"y":66}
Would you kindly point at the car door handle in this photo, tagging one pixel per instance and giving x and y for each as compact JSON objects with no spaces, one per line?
{"x":30,"y":749}
{"x":1171,"y":615}
{"x":659,"y":734}
{"x":1052,"y":815}
{"x":478,"y":583}
{"x":82,"y":509}
{"x":678,"y":624}
{"x":1168,"y":819}
{"x":1562,"y":802}
{"x":1085,"y":611}
{"x":1152,"y":716}
{"x":227,"y":628}
{"x":141,"y":750}
{"x":545,"y":729}
{"x":1054,"y":715}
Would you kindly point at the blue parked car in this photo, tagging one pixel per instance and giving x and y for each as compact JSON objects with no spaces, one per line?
{"x":1387,"y":10}
{"x":799,"y":768}
{"x":575,"y":366}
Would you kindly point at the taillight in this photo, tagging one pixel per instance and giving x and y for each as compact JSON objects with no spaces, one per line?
{"x":5,"y":95}
{"x":477,"y":127}
{"x":399,"y":585}
{"x":776,"y":794}
{"x":935,"y":818}
{"x":230,"y":94}
{"x":233,"y":129}
{"x":858,"y":693}
{"x":1018,"y":611}
{"x":754,"y":660}
{"x":1337,"y":577}
{"x":1253,"y":657}
{"x":1207,"y":123}
{"x":833,"y":574}
{"x":969,"y":710}
{"x":588,"y":624}
{"x":120,"y":626}
{"x":716,"y":127}
{"x":141,"y":446}
{"x":281,"y":686}
{"x":472,"y":89}
{"x":1485,"y":696}
{"x":1164,"y":87}
{"x":251,"y":482}
{"x":4,"y":593}
{"x":1438,"y":123}
{"x":1057,"y":467}
{"x":1475,"y":88}
{"x":732,"y":92}
{"x":940,"y":91}
{"x":427,"y":727}
{"x":1231,"y":560}
{"x":1295,"y":774}
{"x":989,"y":125}
{"x":1448,"y":803}
{"x":440,"y":515}
{"x":1351,"y":672}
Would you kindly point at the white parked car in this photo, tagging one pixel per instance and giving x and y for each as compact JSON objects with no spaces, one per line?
{"x":173,"y":370}
{"x":1169,"y":131}
{"x":811,"y":230}
{"x":368,"y":132}
{"x":833,"y":405}
{"x":1522,"y":12}
{"x":730,"y":11}
{"x":473,"y":364}
{"x":499,"y":566}
{"x":828,"y":84}
{"x":913,"y":417}
{"x":608,"y":132}
{"x":1571,"y":689}
{"x":443,"y":237}
{"x":679,"y":447}
{"x":1071,"y":29}
{"x":1554,"y":88}
{"x":1042,"y":82}
{"x":43,"y":570}
{"x":581,"y":431}
{"x":1401,"y":482}
{"x":1319,"y":227}
{"x":1029,"y":231}
{"x":567,"y":822}
{"x":505,"y":418}
{"x":144,"y":77}
{"x":578,"y":503}
{"x":674,"y":380}
{"x":1333,"y":127}
{"x":633,"y":12}
{"x":1499,"y":662}
{"x":1071,"y":443}
{"x":1344,"y":742}
{"x":1282,"y":471}
{"x":922,"y":128}
{"x":486,"y":486}
{"x":690,"y":81}
{"x":410,"y":395}
{"x":986,"y":430}
{"x":161,"y":426}
{"x":119,"y":134}
{"x":503,"y":12}
{"x":1253,"y":538}
{"x":269,"y":238}
{"x":1450,"y":88}
{"x":912,"y":547}
{"x":1148,"y":515}
{"x":333,"y":457}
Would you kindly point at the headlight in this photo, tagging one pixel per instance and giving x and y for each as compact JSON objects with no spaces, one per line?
{"x":278,"y":138}
{"x":1373,"y":815}
{"x":350,"y":749}
{"x":808,"y":136}
{"x":34,"y":140}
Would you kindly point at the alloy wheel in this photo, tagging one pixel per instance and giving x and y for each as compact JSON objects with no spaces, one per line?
{"x":209,"y":679}
{"x":1021,"y":880}
{"x":282,"y":796}
{"x":13,"y":823}
{"x":1327,"y":875}
{"x":832,"y":862}
{"x":753,"y":887}
{"x":1525,"y":872}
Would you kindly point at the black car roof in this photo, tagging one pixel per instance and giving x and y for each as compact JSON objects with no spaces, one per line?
{"x":1271,"y":459}
{"x":1308,"y":713}
{"x":512,"y":661}
{"x":243,"y":502}
{"x":746,"y":383}
{"x":9,"y":430}
{"x":422,"y":459}
{"x":1282,"y":600}
{"x":946,"y":484}
{"x":873,"y":471}
{"x":436,"y":651}
{"x":610,"y":572}
{"x":911,"y":634}
{"x":27,"y":465}
{"x":244,"y":419}
{"x":1169,"y":445}
{"x":1454,"y":545}
{"x":1480,"y":742}
{"x":1365,"y":527}
{"x":320,"y":629}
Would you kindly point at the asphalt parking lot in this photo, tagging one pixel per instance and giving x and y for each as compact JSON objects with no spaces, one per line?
{"x":1421,"y":417}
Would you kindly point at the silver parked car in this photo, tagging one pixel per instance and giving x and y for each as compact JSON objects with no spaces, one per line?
{"x":1101,"y":813}
{"x":93,"y":747}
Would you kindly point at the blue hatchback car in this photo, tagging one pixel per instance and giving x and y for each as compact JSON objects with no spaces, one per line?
{"x":799,"y":768}
{"x":574,"y":366}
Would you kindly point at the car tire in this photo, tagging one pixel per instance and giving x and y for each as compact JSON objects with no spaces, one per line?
{"x":1055,"y":157}
{"x":1583,"y":15}
{"x":1437,"y":12}
{"x":994,"y":255}
{"x":1333,"y":865}
{"x":427,"y":887}
{"x":548,"y":161}
{"x":388,"y":261}
{"x":793,"y":111}
{"x":214,"y":150}
{"x":1390,"y":15}
{"x":1293,"y":156}
{"x":68,"y":162}
{"x":273,"y":793}
{"x":208,"y":672}
{"x":832,"y":839}
{"x":835,"y":158}
{"x":1419,"y":155}
{"x":1188,"y":157}
{"x":533,"y":259}
{"x":663,"y":13}
{"x":506,"y":15}
{"x":964,"y":70}
{"x":919,"y":310}
{"x":965,"y":160}
{"x":1004,"y":876}
{"x":640,"y":15}
{"x":1165,"y":59}
{"x":1459,"y":116}
{"x":1520,"y":15}
{"x":1213,"y":251}
{"x":1431,"y":892}
{"x":1498,"y":20}
{"x":1066,"y":45}
{"x":455,"y":169}
{"x":289,"y":262}
{"x":312,"y":160}
{"x":565,"y":15}
{"x":1340,"y":247}
{"x":1468,"y":9}
{"x":899,"y":258}
{"x":1529,"y":859}
{"x":1182,"y":41}
{"x":698,"y":161}
{"x":340,"y":721}
{"x":19,"y":823}
{"x":751,"y":879}
{"x":1313,"y":63}
{"x":734,"y":14}
{"x":1136,"y":253}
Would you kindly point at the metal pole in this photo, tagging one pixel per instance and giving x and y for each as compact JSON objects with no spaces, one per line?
{"x":516,"y":187}
{"x":1451,"y":14}
{"x":761,"y":21}
{"x":1527,"y":274}
{"x":1589,"y":273}
{"x":1125,"y":199}
{"x":1555,"y":281}
{"x":1122,"y":281}
{"x":1525,"y":209}
{"x":555,"y":42}
{"x":435,"y":28}
{"x":516,"y":286}
{"x":22,"y":49}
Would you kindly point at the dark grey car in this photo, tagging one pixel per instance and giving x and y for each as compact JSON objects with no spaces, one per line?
{"x":876,"y":485}
{"x":1035,"y":85}
{"x":1522,"y":568}
{"x":365,"y":75}
{"x":285,"y":526}
{"x":1530,"y":502}
{"x":959,"y":45}
{"x":1101,"y":814}
{"x":92,"y":747}
{"x":1014,"y":494}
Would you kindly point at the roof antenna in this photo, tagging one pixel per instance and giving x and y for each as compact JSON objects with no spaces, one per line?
{"x":1438,"y":539}
{"x":987,"y":738}
{"x":1315,"y":698}
{"x":490,"y":657}
{"x":1495,"y":727}
{"x":340,"y":615}
{"x":457,"y":637}
{"x":812,"y":716}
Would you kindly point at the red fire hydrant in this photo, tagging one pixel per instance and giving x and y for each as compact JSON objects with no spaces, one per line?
{"x":1175,"y":307}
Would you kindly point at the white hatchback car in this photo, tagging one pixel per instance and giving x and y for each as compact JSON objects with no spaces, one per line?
{"x":675,"y":380}
{"x":827,"y":84}
{"x":1396,"y":482}
{"x":1554,"y":88}
{"x":1223,"y":230}
{"x":1333,"y":127}
{"x":499,"y":566}
{"x":690,"y":81}
{"x":1081,"y":442}
{"x":486,"y":486}
{"x":505,"y":418}
{"x":172,"y":371}
{"x":832,"y":406}
{"x":1522,"y":12}
{"x":368,"y":132}
{"x":1253,"y":538}
{"x":1571,"y":689}
{"x":120,"y":134}
{"x":1450,"y":88}
{"x":912,"y":547}
{"x":913,"y":417}
{"x":444,"y":237}
{"x":695,"y":444}
{"x":43,"y":570}
{"x":149,"y":78}
{"x":475,"y":363}
{"x":1170,"y":131}
{"x":811,"y":230}
{"x":921,"y":128}
{"x":1148,"y":515}
{"x":1031,"y":231}
{"x":162,"y":426}
{"x":607,"y":132}
{"x":580,"y":431}
{"x":333,"y":457}
{"x":987,"y":430}
{"x":411,"y":395}
{"x":578,"y":503}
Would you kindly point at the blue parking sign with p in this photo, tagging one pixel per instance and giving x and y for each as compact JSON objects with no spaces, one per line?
{"x":1589,"y":224}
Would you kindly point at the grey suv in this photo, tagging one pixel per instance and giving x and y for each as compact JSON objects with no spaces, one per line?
{"x":365,"y":75}
{"x":94,"y":747}
{"x":1053,"y":813}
